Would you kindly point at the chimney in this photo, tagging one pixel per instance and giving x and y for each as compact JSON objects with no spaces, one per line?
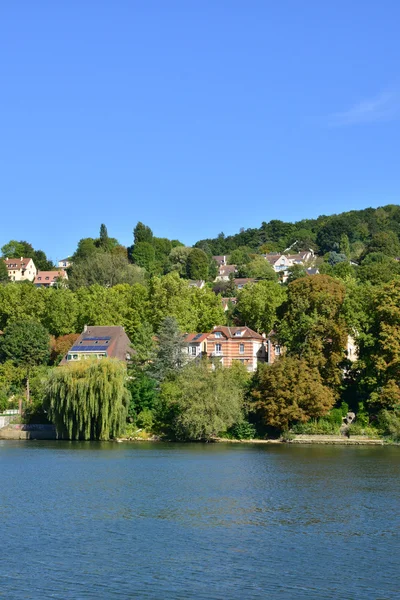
{"x":22,"y":258}
{"x":84,"y":328}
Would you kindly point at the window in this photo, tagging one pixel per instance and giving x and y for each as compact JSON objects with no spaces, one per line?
{"x":218,"y":348}
{"x":277,"y":350}
{"x":218,"y":334}
{"x":239,"y":333}
{"x":241,"y":348}
{"x":193,"y":350}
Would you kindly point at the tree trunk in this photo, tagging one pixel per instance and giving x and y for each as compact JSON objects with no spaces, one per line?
{"x":28,"y":392}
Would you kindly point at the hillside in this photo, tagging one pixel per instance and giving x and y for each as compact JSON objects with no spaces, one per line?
{"x":324,"y":234}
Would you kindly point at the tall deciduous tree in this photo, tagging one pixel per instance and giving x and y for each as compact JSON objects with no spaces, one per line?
{"x":380,"y":348}
{"x":143,"y":255}
{"x":202,"y":402}
{"x":197,"y":264}
{"x":290,"y":391}
{"x":313,"y":326}
{"x":26,"y":343}
{"x":257,"y":304}
{"x":88,"y":400}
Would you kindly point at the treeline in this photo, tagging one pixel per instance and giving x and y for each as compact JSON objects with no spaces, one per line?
{"x":324,"y":234}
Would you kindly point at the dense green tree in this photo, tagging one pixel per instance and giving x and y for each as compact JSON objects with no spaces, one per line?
{"x":241,"y":256}
{"x":202,"y":402}
{"x":143,"y":255}
{"x":288,"y":392}
{"x":379,"y":343}
{"x":103,"y":237}
{"x":14,"y":249}
{"x":386,"y":242}
{"x":295,"y":272}
{"x":142,"y":386}
{"x":88,"y":400}
{"x":377,"y":268}
{"x":106,"y":269}
{"x":258,"y":268}
{"x":197,"y":264}
{"x":3,"y":272}
{"x":42,"y":263}
{"x":27,"y":344}
{"x":313,"y":326}
{"x":257,"y":304}
{"x":61,"y":311}
{"x":142,"y":233}
{"x":344,"y":247}
{"x":86,"y":248}
{"x":21,"y":303}
{"x":178,"y":258}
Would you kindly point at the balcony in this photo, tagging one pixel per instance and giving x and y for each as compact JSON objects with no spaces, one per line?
{"x":217,"y":353}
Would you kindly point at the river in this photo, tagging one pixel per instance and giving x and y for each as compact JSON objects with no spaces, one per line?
{"x":111,"y":521}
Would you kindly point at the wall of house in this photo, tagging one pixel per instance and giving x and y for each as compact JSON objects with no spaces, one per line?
{"x":231,"y":350}
{"x":27,"y":274}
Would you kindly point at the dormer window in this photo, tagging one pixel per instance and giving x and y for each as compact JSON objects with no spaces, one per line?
{"x":218,"y":334}
{"x":238,"y":333}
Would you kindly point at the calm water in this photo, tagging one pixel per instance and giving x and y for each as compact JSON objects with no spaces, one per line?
{"x":118,"y":521}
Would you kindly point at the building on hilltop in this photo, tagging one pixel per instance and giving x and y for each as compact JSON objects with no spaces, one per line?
{"x":21,"y":269}
{"x":100,"y":342}
{"x":64,"y":263}
{"x":50,"y":278}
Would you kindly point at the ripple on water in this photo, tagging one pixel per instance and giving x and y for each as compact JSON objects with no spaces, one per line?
{"x":108,"y":521}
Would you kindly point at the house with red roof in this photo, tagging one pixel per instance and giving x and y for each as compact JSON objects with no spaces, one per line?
{"x":21,"y":269}
{"x":50,"y":278}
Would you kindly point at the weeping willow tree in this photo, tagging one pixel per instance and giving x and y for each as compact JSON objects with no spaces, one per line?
{"x":88,"y":400}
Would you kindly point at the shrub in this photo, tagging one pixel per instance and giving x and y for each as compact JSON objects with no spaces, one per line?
{"x":242,"y":431}
{"x":389,"y":422}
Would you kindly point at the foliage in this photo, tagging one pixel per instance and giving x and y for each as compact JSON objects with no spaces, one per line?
{"x":290,"y":391}
{"x":26,"y":343}
{"x":259,"y":268}
{"x":106,"y":269}
{"x":60,"y":346}
{"x":88,"y":400}
{"x":16,"y":249}
{"x":197,"y":264}
{"x":170,"y":356}
{"x":257,"y":304}
{"x":142,"y":233}
{"x":313,"y":326}
{"x":202,"y":401}
{"x":389,"y":423}
{"x":380,"y":348}
{"x":144,"y":255}
{"x":178,"y":258}
{"x":242,"y":431}
{"x":3,"y":272}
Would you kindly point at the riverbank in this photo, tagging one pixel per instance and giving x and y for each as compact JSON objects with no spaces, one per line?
{"x":47,"y":432}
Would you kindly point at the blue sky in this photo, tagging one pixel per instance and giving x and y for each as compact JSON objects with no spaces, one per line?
{"x":193,"y":116}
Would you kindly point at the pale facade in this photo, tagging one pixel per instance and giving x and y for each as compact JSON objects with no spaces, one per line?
{"x":21,"y":269}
